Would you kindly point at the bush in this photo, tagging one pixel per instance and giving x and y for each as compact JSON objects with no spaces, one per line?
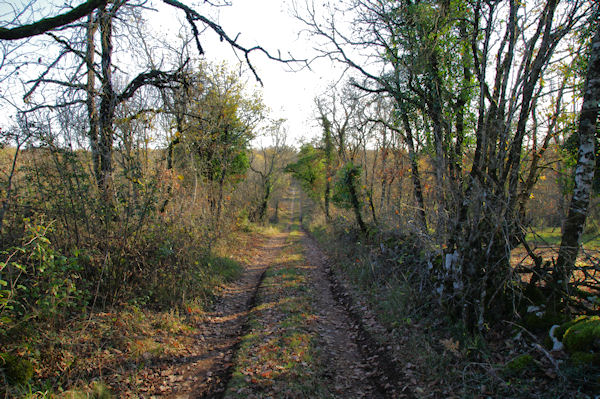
{"x":175,"y":267}
{"x":346,"y":189}
{"x":38,"y":281}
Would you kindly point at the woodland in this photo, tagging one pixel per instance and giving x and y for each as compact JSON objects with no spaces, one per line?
{"x":451,"y":193}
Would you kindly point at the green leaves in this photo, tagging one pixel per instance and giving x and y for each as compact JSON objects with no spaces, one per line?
{"x":309,"y":170}
{"x":219,"y":124}
{"x":38,"y":281}
{"x":347,"y":182}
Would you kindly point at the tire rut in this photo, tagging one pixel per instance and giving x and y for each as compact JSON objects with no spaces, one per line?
{"x":216,"y":389}
{"x":382,"y":370}
{"x":220,"y":333}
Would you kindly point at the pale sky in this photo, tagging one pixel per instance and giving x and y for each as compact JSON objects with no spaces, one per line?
{"x":267,"y":23}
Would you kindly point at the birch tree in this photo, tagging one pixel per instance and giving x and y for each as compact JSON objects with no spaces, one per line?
{"x":584,"y":171}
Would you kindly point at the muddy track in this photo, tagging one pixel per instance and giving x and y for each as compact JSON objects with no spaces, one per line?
{"x":214,"y":386}
{"x":357,"y":365}
{"x":383,"y":371}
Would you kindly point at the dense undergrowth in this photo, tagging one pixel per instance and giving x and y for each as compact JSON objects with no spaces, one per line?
{"x":73,"y":321}
{"x":442,"y":357}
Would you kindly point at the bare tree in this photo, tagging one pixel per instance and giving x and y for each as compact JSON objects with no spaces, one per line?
{"x":269,"y":166}
{"x":410,"y":54}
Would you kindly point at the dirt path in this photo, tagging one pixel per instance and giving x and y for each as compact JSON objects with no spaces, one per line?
{"x":300,"y":341}
{"x":205,"y":371}
{"x":351,"y":375}
{"x":224,"y":327}
{"x":245,"y":346}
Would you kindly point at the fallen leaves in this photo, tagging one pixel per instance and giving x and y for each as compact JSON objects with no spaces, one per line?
{"x":451,"y":345}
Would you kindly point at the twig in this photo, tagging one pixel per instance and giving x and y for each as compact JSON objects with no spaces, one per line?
{"x":539,"y":347}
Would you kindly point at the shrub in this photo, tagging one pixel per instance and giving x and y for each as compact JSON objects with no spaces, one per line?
{"x":38,"y":281}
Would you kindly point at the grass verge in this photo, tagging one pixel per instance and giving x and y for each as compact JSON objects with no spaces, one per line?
{"x":552,"y":236}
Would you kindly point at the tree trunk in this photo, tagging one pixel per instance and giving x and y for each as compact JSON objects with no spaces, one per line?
{"x":107,"y":109}
{"x":536,"y":156}
{"x":328,"y":143}
{"x":384,"y":155}
{"x":276,"y":215}
{"x":91,"y":96}
{"x":542,"y":55}
{"x":414,"y":166}
{"x":262,"y":210}
{"x":170,"y":150}
{"x":351,"y":178}
{"x":327,"y":198}
{"x":584,"y":172}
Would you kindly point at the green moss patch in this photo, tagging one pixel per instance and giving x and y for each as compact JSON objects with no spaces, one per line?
{"x":560,"y":331}
{"x":583,"y":336}
{"x":519,"y":364}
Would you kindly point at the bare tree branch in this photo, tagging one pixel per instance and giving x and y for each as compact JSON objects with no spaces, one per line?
{"x":192,"y":16}
{"x":155,"y":78}
{"x":48,"y":24}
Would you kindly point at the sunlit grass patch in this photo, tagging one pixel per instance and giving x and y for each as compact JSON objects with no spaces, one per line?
{"x":269,"y":229}
{"x":284,"y":272}
{"x":223,"y":269}
{"x":95,"y":391}
{"x":294,"y":258}
{"x":553,"y":235}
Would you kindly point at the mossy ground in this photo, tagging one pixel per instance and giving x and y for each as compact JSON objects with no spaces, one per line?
{"x":583,"y":335}
{"x":519,"y":365}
